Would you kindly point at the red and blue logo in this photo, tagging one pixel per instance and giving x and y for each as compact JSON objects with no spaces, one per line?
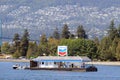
{"x":62,"y":50}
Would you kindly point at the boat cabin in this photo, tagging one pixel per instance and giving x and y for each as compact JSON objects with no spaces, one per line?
{"x":59,"y":62}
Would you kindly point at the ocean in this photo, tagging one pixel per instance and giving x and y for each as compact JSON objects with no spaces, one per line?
{"x":104,"y":73}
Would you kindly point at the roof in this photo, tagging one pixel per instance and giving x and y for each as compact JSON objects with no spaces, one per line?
{"x":63,"y":59}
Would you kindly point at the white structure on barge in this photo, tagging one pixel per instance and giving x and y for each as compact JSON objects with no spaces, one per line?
{"x":59,"y":62}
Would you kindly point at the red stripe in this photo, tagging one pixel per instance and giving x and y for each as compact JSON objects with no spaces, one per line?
{"x":62,"y":53}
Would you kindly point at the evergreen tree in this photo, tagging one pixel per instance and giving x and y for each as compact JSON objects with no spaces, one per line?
{"x":16,"y":40}
{"x":112,"y":31}
{"x":43,"y":46}
{"x":65,"y":32}
{"x":72,"y":36}
{"x":43,"y":40}
{"x":118,"y":52}
{"x":96,"y":40}
{"x":16,"y":54}
{"x":105,"y":52}
{"x":56,"y":34}
{"x":52,"y":44}
{"x":32,"y":50}
{"x":24,"y":43}
{"x":119,"y":31}
{"x":81,"y":32}
{"x":97,"y":43}
{"x":5,"y":48}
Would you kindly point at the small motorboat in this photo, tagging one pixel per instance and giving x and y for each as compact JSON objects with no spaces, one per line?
{"x":17,"y":66}
{"x":91,"y":68}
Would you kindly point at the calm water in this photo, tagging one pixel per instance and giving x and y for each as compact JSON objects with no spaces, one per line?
{"x":104,"y":73}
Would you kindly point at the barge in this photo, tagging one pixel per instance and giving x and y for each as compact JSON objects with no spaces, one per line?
{"x":60,"y":63}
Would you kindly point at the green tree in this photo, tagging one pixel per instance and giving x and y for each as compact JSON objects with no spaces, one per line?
{"x":119,"y":31}
{"x":56,"y":34}
{"x":80,"y":47}
{"x":81,"y":32}
{"x":5,"y":48}
{"x":43,"y":40}
{"x":24,"y":43}
{"x":104,"y":45}
{"x":52,"y":44}
{"x":72,"y":36}
{"x":118,"y":52}
{"x":114,"y":45}
{"x":105,"y":49}
{"x":16,"y":40}
{"x":32,"y":50}
{"x":97,"y":43}
{"x":65,"y":32}
{"x":43,"y":46}
{"x":112,"y":32}
{"x":16,"y":54}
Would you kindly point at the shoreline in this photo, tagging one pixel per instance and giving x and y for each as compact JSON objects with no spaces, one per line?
{"x":111,"y":63}
{"x":14,"y":60}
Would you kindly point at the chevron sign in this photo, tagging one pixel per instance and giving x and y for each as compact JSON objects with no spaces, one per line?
{"x":62,"y":50}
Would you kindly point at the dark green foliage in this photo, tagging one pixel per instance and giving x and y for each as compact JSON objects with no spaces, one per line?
{"x":24,"y":43}
{"x":17,"y":54}
{"x":16,"y":40}
{"x":43,"y":40}
{"x":108,"y":48}
{"x":104,"y":48}
{"x":56,"y":34}
{"x":43,"y":46}
{"x":72,"y":36}
{"x":80,"y":47}
{"x":32,"y":50}
{"x":117,"y":55}
{"x":52,"y":44}
{"x":119,"y":31}
{"x":5,"y":48}
{"x":65,"y":32}
{"x":112,"y":32}
{"x":81,"y":32}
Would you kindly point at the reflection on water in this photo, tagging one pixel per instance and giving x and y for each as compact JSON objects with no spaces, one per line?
{"x":104,"y":73}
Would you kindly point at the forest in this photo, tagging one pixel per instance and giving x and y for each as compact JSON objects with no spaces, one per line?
{"x":105,"y":49}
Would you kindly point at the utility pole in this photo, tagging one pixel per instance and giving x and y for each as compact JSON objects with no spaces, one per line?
{"x":0,"y":35}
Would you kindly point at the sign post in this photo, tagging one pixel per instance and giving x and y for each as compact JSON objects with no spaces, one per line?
{"x":62,"y":51}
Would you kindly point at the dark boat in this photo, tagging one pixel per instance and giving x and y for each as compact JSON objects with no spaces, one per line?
{"x":15,"y":66}
{"x":91,"y":68}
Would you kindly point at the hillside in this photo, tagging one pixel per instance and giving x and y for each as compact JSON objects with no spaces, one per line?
{"x":43,"y":16}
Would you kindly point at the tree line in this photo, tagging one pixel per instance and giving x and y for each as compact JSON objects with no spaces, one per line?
{"x":108,"y":48}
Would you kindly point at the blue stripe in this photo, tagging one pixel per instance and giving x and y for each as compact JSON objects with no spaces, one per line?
{"x":59,"y":60}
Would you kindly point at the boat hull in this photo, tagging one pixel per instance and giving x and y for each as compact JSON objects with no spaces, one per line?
{"x":15,"y":67}
{"x":60,"y":69}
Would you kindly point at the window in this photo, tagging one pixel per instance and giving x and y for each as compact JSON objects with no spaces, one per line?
{"x":55,"y":63}
{"x":42,"y":62}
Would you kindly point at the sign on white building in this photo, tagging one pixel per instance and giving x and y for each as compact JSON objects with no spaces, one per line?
{"x":62,"y":50}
